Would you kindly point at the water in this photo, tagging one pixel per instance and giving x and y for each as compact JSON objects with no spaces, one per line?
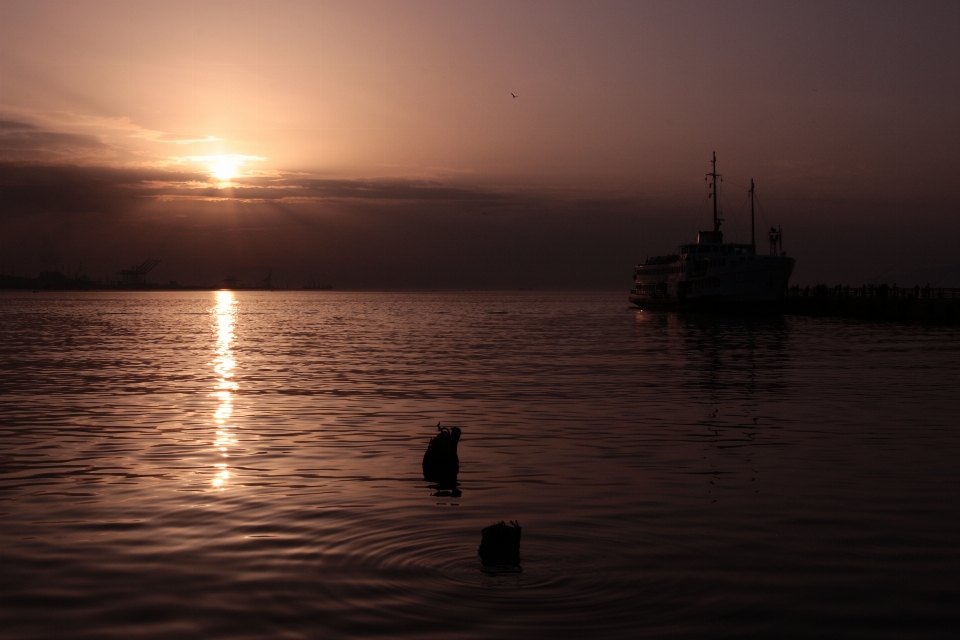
{"x":247,"y":465}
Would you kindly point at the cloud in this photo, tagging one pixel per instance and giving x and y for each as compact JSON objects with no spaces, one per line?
{"x":357,"y":233}
{"x":128,"y":127}
{"x":158,"y":136}
{"x":27,"y":188}
{"x":299,"y":187}
{"x":13,"y":125}
{"x":112,"y":133}
{"x":56,"y":170}
{"x":28,"y":183}
{"x":25,"y":142}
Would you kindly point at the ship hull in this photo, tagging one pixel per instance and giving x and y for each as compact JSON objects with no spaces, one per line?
{"x":705,"y":303}
{"x":760,"y":282}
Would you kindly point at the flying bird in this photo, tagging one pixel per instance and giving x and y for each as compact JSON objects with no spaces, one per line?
{"x":513,"y":94}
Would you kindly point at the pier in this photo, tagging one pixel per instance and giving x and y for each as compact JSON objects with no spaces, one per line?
{"x":938,"y":305}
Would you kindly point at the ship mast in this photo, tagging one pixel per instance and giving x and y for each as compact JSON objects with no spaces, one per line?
{"x":753,"y":239}
{"x":715,"y":176}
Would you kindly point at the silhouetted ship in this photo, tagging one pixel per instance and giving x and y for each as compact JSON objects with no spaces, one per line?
{"x":713,"y":272}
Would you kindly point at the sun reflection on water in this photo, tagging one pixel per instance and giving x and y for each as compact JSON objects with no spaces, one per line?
{"x":225,"y":315}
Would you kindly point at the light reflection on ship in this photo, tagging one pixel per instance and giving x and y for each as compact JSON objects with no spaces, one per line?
{"x":224,"y":313}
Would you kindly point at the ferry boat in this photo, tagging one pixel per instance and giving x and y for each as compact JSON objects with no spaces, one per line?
{"x":713,"y":272}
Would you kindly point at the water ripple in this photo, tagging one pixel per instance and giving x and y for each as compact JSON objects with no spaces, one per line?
{"x":247,"y":465}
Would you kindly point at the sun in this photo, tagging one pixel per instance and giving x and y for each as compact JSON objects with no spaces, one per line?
{"x":223,"y":168}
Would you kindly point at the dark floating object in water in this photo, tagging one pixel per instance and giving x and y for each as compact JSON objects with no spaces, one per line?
{"x":500,"y":545}
{"x":440,"y":462}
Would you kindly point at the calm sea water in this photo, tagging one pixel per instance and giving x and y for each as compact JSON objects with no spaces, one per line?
{"x":247,"y":465}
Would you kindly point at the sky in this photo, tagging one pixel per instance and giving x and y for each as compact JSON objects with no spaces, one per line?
{"x":379,"y":145}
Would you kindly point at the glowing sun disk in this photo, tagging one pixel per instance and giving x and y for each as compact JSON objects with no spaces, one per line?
{"x":223,"y":169}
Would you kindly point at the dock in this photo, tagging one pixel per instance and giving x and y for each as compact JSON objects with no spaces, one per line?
{"x":939,"y":305}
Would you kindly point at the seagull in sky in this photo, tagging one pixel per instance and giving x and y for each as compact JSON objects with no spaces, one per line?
{"x":513,"y":94}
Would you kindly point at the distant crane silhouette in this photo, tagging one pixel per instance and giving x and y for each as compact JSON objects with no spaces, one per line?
{"x":513,"y":94}
{"x":137,"y":275}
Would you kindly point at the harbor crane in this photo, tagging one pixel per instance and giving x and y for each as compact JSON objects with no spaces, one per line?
{"x":137,"y":275}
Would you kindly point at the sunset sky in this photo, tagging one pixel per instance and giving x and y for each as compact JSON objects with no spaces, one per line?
{"x":377,"y":144}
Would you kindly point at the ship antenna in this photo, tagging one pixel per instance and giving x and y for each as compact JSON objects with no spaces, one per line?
{"x":753,"y":238}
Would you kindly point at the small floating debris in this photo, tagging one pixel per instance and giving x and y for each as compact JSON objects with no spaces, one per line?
{"x":500,"y":545}
{"x":440,"y":463}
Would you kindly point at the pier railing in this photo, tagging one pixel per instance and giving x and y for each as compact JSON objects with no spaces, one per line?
{"x":873,"y":291}
{"x":940,"y":305}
